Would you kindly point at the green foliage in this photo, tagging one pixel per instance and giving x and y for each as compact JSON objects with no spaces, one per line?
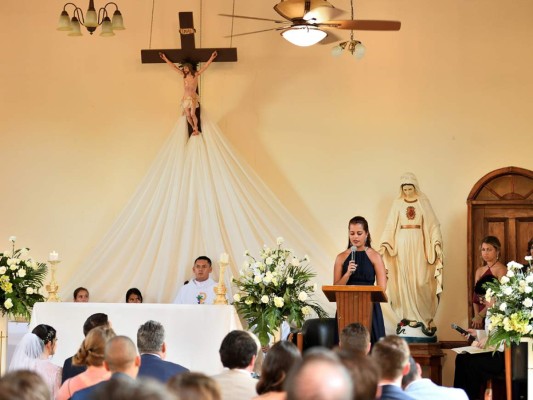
{"x":21,"y":279}
{"x":275,"y":288}
{"x":511,"y":310}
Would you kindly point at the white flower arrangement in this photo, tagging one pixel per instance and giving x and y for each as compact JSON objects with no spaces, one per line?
{"x":21,"y":278}
{"x":275,"y":288}
{"x":511,"y":312}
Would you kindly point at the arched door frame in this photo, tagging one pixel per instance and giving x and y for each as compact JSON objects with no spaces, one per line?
{"x":510,"y":199}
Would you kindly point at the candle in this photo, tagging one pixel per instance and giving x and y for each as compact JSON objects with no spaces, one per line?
{"x":53,"y":256}
{"x":224,"y":258}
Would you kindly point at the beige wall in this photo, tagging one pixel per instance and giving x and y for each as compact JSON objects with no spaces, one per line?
{"x":448,"y":98}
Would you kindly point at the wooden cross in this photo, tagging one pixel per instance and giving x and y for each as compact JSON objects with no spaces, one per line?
{"x":188,"y":52}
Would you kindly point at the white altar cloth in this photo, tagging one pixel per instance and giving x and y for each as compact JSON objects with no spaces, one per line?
{"x":193,"y":333}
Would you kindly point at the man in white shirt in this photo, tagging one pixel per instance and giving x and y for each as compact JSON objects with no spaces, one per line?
{"x":238,"y":352}
{"x":422,"y":388}
{"x":201,"y":289}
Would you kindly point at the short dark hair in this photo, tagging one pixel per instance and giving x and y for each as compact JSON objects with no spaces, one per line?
{"x":136,"y":291}
{"x":412,"y":375}
{"x":45,"y":332}
{"x":98,"y":319}
{"x":355,"y":337}
{"x":204,"y":258}
{"x":150,"y":337}
{"x":391,"y":353}
{"x":80,"y":289}
{"x":237,"y":349}
{"x":276,"y":366}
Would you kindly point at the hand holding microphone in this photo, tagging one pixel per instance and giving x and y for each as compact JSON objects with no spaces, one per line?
{"x":352,"y":266}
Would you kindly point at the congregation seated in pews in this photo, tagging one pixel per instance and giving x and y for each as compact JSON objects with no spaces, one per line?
{"x":118,"y":367}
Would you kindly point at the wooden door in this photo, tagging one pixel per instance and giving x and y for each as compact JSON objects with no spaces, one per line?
{"x":500,"y":204}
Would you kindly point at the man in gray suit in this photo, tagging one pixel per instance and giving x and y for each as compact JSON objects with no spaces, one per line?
{"x":237,"y":353}
{"x":422,"y":388}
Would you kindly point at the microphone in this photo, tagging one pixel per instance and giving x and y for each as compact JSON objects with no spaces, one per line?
{"x":353,"y":249}
{"x":469,"y":337}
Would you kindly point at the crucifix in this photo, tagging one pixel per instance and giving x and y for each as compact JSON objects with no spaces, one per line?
{"x":188,"y":52}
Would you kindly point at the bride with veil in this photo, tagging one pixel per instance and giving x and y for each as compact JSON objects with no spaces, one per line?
{"x":33,"y":353}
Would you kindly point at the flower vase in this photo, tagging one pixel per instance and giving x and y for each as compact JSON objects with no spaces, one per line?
{"x":3,"y":343}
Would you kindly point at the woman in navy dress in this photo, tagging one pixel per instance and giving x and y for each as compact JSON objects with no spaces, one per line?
{"x":360,"y":264}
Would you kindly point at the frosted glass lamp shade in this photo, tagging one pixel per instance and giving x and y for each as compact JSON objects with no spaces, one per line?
{"x":64,"y":22}
{"x":117,"y":21}
{"x":75,"y":25}
{"x":303,"y":35}
{"x":359,"y":51}
{"x":91,"y":19}
{"x":107,"y":28}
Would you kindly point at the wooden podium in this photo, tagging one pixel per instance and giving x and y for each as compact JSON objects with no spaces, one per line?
{"x":354,"y":303}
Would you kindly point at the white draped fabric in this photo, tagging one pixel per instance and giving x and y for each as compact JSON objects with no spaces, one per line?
{"x":198,"y":198}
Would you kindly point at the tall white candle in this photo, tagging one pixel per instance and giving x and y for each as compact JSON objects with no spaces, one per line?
{"x":224,"y":258}
{"x":53,"y":256}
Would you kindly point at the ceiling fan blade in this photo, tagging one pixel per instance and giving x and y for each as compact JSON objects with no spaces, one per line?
{"x":256,"y":18}
{"x":251,"y":33}
{"x":296,"y":9}
{"x":321,"y":14}
{"x":364,"y":25}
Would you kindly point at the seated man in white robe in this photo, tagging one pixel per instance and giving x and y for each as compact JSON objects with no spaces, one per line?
{"x":201,"y":289}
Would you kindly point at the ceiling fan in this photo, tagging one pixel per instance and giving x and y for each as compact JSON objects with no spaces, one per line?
{"x":308,"y":22}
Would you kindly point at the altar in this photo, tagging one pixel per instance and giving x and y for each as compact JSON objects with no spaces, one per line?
{"x":193,"y":333}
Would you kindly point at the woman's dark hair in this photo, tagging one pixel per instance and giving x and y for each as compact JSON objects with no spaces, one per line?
{"x":529,"y":246}
{"x":134,"y":291}
{"x":494,"y":242}
{"x":278,"y":361}
{"x":480,"y":288}
{"x":45,"y":332}
{"x":360,"y":220}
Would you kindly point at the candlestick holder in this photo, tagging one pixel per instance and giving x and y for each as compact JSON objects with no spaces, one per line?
{"x":221,"y":289}
{"x":52,"y":288}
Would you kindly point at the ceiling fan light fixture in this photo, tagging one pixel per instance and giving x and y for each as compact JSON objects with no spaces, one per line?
{"x":303,"y":35}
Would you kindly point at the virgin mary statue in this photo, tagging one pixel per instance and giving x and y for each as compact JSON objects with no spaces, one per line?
{"x":411,"y":246}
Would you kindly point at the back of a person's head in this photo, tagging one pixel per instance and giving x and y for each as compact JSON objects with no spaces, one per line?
{"x":412,"y":375}
{"x":194,"y":386}
{"x":98,"y":319}
{"x":355,"y":337}
{"x":319,"y":376}
{"x":237,"y":350}
{"x":150,"y":337}
{"x":45,"y":332}
{"x":120,"y":354}
{"x":364,"y":371}
{"x":281,"y":357}
{"x":129,"y":389}
{"x":91,"y":351}
{"x":391,"y":353}
{"x":23,"y":385}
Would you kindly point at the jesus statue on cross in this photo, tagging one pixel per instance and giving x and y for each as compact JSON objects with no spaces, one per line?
{"x":190,"y":99}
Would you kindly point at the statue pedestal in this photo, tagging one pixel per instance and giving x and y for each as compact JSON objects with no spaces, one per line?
{"x":429,"y":356}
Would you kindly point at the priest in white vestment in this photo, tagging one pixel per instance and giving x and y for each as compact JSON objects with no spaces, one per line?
{"x":201,"y":289}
